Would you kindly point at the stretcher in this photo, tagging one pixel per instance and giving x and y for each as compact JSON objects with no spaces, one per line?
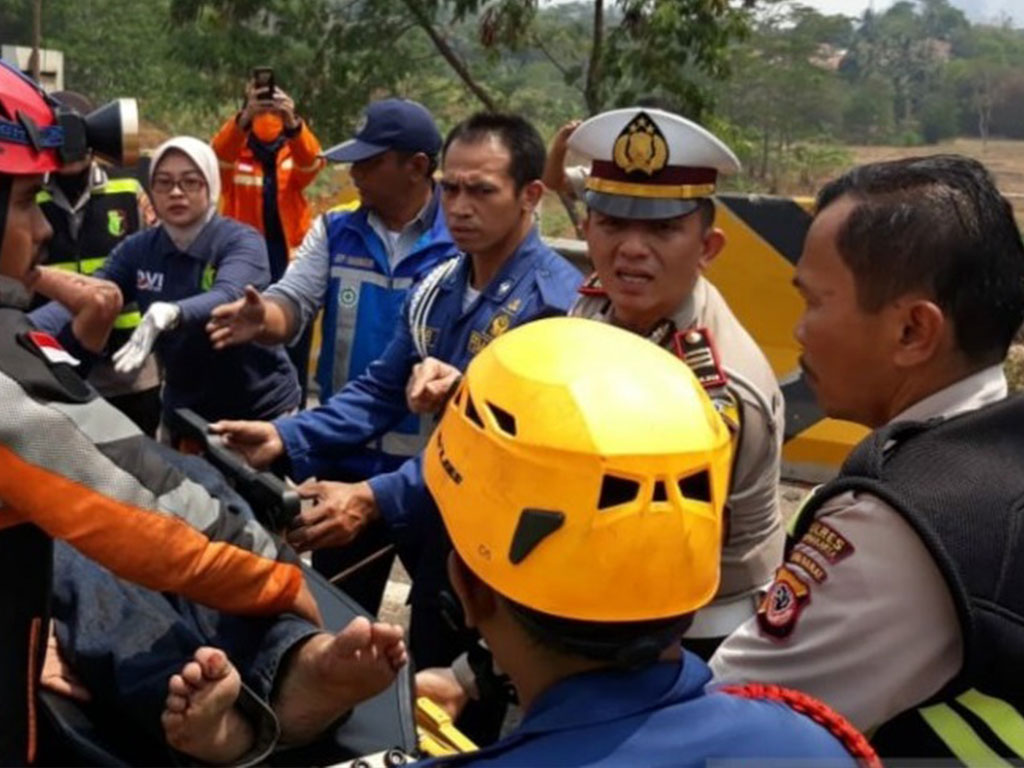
{"x":389,"y":730}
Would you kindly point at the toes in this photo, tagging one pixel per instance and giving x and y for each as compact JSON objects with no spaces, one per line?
{"x":192,"y":673}
{"x":387,"y":634}
{"x":177,"y":685}
{"x":172,"y":723}
{"x":353,"y":638}
{"x":214,"y":663}
{"x":175,"y":703}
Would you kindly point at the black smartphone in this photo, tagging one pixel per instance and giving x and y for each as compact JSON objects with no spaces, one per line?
{"x":263,"y":80}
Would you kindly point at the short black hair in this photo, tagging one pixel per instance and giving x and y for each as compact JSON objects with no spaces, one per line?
{"x":405,"y":156}
{"x":936,"y":224}
{"x":624,"y":644}
{"x":706,"y":207}
{"x":516,"y":134}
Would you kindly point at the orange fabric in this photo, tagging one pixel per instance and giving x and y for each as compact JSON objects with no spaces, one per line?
{"x":158,"y":551}
{"x":241,"y":177}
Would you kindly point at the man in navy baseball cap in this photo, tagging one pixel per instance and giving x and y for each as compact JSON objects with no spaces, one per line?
{"x":397,"y":124}
{"x":357,"y":263}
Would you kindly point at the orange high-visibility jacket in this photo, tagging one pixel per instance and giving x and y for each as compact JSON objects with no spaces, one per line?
{"x":241,"y":177}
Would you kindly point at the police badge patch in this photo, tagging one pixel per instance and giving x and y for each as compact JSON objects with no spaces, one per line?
{"x":783,"y":603}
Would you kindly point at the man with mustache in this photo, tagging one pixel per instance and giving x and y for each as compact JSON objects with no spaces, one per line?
{"x":650,"y":235}
{"x":900,"y":602}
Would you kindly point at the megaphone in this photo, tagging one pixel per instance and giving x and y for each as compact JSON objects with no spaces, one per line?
{"x":112,"y":132}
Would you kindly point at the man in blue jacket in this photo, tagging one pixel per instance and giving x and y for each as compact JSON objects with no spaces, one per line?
{"x":358,"y":265}
{"x":490,"y":188}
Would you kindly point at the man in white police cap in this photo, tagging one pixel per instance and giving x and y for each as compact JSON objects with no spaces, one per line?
{"x":650,"y":235}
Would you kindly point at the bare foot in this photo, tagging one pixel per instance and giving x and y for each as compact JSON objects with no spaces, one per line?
{"x":329,"y":674}
{"x":200,"y":718}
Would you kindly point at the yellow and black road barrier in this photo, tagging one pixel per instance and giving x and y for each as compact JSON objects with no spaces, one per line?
{"x":764,"y":238}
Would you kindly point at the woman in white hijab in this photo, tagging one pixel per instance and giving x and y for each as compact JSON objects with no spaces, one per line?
{"x":178,"y":272}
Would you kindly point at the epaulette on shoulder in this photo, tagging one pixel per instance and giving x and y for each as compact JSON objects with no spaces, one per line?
{"x":853,"y":740}
{"x":696,"y":347}
{"x":592,"y":286}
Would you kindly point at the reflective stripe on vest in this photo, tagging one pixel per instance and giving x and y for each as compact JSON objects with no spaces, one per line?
{"x":118,"y":186}
{"x":128,"y":320}
{"x":963,"y":741}
{"x":83,"y":267}
{"x":248,"y":180}
{"x":112,"y":187}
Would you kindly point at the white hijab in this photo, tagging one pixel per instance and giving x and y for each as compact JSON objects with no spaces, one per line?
{"x":200,"y":153}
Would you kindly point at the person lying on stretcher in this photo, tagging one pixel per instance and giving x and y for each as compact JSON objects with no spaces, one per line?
{"x":214,"y":687}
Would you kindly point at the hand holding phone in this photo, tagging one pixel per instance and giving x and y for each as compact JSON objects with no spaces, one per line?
{"x":263,"y":82}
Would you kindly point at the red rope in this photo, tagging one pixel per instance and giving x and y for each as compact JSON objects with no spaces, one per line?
{"x":854,"y":741}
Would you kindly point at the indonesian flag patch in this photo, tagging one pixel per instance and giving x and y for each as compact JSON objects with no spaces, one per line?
{"x":51,"y":349}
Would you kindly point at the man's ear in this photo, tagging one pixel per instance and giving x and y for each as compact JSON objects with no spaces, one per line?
{"x":418,"y":165}
{"x":531,"y":194}
{"x":923,"y":331}
{"x":713,"y":243}
{"x":478,"y":600}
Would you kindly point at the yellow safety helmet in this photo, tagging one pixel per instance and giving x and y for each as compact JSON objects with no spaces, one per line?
{"x":581,"y":471}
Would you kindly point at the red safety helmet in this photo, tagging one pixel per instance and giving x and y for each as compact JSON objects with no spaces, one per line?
{"x":29,"y":134}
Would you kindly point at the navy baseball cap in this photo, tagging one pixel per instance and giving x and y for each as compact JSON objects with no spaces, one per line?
{"x":389,"y":124}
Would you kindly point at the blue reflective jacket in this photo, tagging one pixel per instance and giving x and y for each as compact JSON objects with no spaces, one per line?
{"x":657,"y":716}
{"x":534,"y":281}
{"x":362,"y":306}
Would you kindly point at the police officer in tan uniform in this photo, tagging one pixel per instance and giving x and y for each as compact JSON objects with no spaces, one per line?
{"x":901,"y":600}
{"x":650,"y":234}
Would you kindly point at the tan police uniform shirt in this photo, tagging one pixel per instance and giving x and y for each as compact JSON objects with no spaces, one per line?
{"x":756,"y":536}
{"x":863,"y":618}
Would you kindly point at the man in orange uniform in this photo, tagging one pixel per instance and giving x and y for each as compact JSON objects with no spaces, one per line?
{"x":268,"y":156}
{"x":267,"y":135}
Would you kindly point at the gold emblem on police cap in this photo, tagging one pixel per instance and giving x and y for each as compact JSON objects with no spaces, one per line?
{"x":641,"y":146}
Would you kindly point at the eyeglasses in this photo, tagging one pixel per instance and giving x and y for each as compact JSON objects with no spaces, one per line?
{"x":164,"y":185}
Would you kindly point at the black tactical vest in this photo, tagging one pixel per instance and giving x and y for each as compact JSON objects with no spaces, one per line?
{"x":960,"y":484}
{"x":109,"y":216}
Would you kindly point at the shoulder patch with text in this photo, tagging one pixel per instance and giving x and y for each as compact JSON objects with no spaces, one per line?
{"x":827,"y":541}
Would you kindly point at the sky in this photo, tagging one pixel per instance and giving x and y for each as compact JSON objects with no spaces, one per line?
{"x":976,"y":10}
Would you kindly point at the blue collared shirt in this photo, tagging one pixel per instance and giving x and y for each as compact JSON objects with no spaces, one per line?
{"x":534,"y":281}
{"x":660,"y":715}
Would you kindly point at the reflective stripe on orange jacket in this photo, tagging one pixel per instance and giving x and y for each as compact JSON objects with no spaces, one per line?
{"x":241,"y":177}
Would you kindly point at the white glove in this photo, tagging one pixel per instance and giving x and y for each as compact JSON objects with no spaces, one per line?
{"x":160,"y":316}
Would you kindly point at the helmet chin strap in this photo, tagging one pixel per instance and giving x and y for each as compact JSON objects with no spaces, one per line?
{"x":13,"y":293}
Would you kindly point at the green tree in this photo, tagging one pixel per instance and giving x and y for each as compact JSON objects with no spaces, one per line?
{"x":673,"y":49}
{"x":780,"y":97}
